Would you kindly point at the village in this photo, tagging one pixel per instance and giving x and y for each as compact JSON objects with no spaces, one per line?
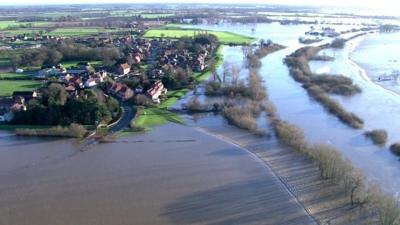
{"x":142,"y":75}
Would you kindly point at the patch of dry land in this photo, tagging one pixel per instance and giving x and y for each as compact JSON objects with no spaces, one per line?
{"x":171,"y":175}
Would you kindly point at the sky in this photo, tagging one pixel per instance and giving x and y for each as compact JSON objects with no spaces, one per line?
{"x":376,"y":5}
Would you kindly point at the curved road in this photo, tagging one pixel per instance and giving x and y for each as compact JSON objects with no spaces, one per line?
{"x":127,"y":115}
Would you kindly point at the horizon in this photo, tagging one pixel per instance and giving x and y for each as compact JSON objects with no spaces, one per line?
{"x":369,"y":7}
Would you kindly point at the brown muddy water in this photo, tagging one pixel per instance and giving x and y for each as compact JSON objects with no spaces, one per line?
{"x":171,"y":175}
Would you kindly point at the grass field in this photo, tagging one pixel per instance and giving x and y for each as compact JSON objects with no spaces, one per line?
{"x":83,"y":31}
{"x":151,"y":117}
{"x":13,"y":23}
{"x":175,"y":32}
{"x":76,"y":31}
{"x":15,"y":76}
{"x":20,"y":31}
{"x":173,"y":96}
{"x":68,"y":64}
{"x":7,"y":87}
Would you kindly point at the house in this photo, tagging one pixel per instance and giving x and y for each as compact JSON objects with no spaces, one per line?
{"x":199,"y":63}
{"x":5,"y":109}
{"x":139,"y":89}
{"x":91,"y":82}
{"x":125,"y":93}
{"x":84,"y":66}
{"x":115,"y":88}
{"x":124,"y":69}
{"x":156,"y":91}
{"x":78,"y":72}
{"x":121,"y":91}
{"x":24,"y":96}
{"x":47,"y":72}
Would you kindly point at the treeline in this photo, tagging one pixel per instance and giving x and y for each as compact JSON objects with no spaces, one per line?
{"x":375,"y":205}
{"x":53,"y":54}
{"x":319,"y":86}
{"x":55,"y":108}
{"x":73,"y":131}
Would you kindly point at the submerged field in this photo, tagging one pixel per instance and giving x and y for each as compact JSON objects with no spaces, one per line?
{"x":177,"y":32}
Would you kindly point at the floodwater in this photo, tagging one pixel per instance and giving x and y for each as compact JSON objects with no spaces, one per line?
{"x":171,"y":175}
{"x":181,"y":175}
{"x":379,"y":54}
{"x":377,"y":106}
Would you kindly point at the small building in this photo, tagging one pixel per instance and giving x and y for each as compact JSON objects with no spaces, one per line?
{"x":25,"y":95}
{"x":156,"y":91}
{"x":125,"y":93}
{"x":91,"y":82}
{"x":123,"y":68}
{"x":121,"y":91}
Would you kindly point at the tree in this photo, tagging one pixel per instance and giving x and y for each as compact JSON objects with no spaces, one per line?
{"x":15,"y":60}
{"x":53,"y":57}
{"x":57,"y":94}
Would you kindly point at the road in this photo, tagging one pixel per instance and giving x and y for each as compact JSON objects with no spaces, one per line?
{"x":127,"y":115}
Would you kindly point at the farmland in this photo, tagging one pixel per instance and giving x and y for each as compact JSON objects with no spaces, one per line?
{"x":76,"y":31}
{"x":176,"y":32}
{"x":16,"y":24}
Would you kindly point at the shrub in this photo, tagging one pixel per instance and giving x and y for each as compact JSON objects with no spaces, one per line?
{"x":143,"y":100}
{"x":195,"y":105}
{"x":338,"y":43}
{"x":395,"y":148}
{"x":333,"y":107}
{"x":241,"y":117}
{"x":335,"y":84}
{"x":213,"y":88}
{"x":379,"y":137}
{"x":73,"y":130}
{"x":290,"y":135}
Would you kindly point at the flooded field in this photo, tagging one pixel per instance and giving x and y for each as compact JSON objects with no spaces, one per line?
{"x":376,"y":105}
{"x":171,"y":175}
{"x":379,"y":55}
{"x":184,"y":175}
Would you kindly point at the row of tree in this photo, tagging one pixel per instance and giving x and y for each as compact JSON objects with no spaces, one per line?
{"x":53,"y":54}
{"x":55,"y":108}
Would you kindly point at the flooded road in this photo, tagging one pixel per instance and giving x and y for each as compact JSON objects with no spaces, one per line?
{"x":171,"y":175}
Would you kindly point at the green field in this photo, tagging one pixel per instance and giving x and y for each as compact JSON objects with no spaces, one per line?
{"x":151,"y":117}
{"x":175,"y":32}
{"x":83,"y":31}
{"x":68,"y":64}
{"x":13,"y":23}
{"x":7,"y":87}
{"x":20,"y":31}
{"x":15,"y":76}
{"x":76,"y":31}
{"x":173,"y":96}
